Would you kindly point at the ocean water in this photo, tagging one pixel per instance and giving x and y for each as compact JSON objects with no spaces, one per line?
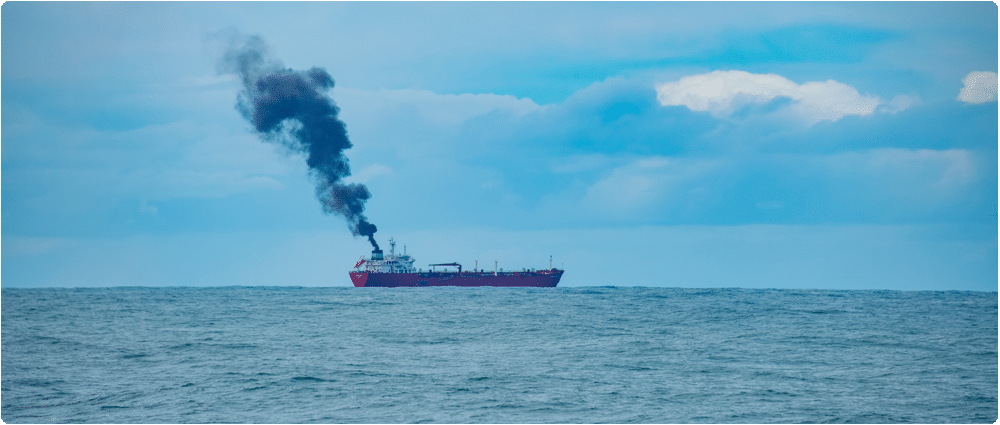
{"x":497,"y":355}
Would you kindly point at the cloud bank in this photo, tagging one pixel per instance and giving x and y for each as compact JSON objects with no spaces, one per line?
{"x":980,"y":87}
{"x":724,"y":92}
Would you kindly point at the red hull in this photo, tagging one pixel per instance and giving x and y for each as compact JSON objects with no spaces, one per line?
{"x":539,"y":279}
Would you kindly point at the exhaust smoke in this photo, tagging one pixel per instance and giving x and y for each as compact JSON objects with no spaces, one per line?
{"x":291,"y":108}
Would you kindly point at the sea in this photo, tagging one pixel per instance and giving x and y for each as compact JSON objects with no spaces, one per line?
{"x":496,"y":355}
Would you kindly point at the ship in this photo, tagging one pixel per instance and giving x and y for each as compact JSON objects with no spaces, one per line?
{"x":391,"y":271}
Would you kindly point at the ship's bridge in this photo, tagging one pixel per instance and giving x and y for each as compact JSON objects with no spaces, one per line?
{"x":391,"y":263}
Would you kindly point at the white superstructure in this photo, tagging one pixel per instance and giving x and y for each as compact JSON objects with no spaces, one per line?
{"x":391,"y":263}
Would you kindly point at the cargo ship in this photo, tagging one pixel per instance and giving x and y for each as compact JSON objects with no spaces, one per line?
{"x":391,"y":271}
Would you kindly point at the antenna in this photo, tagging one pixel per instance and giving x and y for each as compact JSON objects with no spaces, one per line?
{"x":392,"y":250}
{"x":550,"y":262}
{"x":476,"y":269}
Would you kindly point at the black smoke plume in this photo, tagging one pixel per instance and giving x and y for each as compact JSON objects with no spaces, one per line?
{"x":291,"y":108}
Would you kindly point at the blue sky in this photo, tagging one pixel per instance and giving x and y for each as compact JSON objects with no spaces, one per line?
{"x":760,"y":145}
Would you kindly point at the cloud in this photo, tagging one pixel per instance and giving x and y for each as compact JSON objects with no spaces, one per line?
{"x":722,"y":93}
{"x":418,"y":124}
{"x":894,"y":184}
{"x":182,"y":159}
{"x":442,"y":109}
{"x":611,"y":154}
{"x":980,"y":87}
{"x":940,"y":170}
{"x":641,"y":188}
{"x":899,"y":103}
{"x":615,"y":116}
{"x":875,"y":185}
{"x":365,"y":174}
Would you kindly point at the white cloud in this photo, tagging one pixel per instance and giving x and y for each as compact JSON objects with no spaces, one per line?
{"x":722,"y":92}
{"x":899,"y":103}
{"x":980,"y":87}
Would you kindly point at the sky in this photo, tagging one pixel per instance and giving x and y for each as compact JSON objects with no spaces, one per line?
{"x":756,"y":145}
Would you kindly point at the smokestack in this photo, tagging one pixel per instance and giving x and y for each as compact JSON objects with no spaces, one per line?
{"x":291,"y":108}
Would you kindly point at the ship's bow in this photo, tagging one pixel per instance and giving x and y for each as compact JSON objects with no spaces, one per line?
{"x":359,"y":279}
